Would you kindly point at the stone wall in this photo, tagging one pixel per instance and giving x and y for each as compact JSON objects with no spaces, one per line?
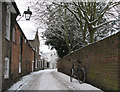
{"x":100,"y":61}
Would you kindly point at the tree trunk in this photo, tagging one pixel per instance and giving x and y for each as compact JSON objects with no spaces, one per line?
{"x":91,"y":31}
{"x":91,"y":36}
{"x":84,"y":33}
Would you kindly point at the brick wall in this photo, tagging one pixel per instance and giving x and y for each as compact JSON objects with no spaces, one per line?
{"x":15,"y":54}
{"x":24,"y":56}
{"x":119,"y":61}
{"x":5,"y":47}
{"x":35,"y":43}
{"x":31,"y":55}
{"x":100,"y":61}
{"x":12,"y":50}
{"x":27,"y":62}
{"x":27,"y":54}
{"x":0,"y":45}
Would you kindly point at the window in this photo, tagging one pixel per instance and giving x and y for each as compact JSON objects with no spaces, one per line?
{"x":32,"y":65}
{"x":13,"y":34}
{"x":20,"y":64}
{"x":6,"y":68}
{"x":20,"y":39}
{"x":25,"y":40}
{"x":20,"y":68}
{"x":7,"y":32}
{"x":36,"y":64}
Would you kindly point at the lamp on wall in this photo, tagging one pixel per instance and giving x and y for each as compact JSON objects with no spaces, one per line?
{"x":27,"y":14}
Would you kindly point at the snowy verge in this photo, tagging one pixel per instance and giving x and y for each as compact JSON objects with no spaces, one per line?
{"x":76,"y":84}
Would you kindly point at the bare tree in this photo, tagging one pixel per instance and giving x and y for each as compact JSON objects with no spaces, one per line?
{"x":92,"y":16}
{"x":94,"y":20}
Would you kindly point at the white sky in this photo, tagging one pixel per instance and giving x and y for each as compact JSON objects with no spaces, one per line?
{"x":29,"y":27}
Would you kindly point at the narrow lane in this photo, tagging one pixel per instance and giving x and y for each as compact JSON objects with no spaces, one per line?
{"x":51,"y":80}
{"x":44,"y":81}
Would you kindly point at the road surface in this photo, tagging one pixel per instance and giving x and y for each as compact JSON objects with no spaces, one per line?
{"x":50,"y":80}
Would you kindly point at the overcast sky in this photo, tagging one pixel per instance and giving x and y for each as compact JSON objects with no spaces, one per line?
{"x":29,"y":27}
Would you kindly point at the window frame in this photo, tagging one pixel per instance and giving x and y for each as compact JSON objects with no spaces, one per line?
{"x":6,"y":68}
{"x":8,"y":25}
{"x":36,"y":66}
{"x":14,"y":34}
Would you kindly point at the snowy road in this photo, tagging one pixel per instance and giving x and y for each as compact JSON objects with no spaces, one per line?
{"x":45,"y":81}
{"x":50,"y":80}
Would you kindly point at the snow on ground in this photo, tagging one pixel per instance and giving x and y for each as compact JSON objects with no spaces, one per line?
{"x":25,"y":79}
{"x":50,"y":80}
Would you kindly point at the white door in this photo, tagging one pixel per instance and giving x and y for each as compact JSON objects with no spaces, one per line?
{"x":20,"y":67}
{"x":32,"y":66}
{"x":6,"y":71}
{"x":36,"y":64}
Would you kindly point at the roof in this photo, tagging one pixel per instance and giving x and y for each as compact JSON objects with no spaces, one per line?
{"x":35,"y":36}
{"x":32,"y":40}
{"x":24,"y":35}
{"x":16,"y":8}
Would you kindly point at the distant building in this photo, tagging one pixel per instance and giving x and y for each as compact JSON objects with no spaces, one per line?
{"x":53,"y":61}
{"x":43,"y":61}
{"x":35,"y":45}
{"x":50,"y":59}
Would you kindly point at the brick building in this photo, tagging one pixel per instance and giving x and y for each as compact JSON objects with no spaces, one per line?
{"x":17,"y":55}
{"x":9,"y":14}
{"x":35,"y":44}
{"x":22,"y":53}
{"x":0,"y":45}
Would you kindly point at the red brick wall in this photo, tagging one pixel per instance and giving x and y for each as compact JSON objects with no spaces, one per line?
{"x":31,"y":55}
{"x":100,"y":61}
{"x":35,"y":43}
{"x":27,"y":63}
{"x":27,"y":55}
{"x":24,"y":57}
{"x":15,"y":55}
{"x":119,"y":61}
